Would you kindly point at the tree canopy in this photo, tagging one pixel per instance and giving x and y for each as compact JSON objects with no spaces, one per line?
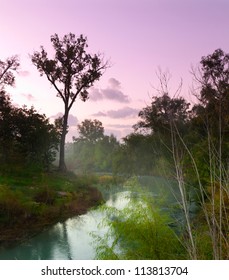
{"x":90,"y":130}
{"x":26,"y":137}
{"x":163,"y":110}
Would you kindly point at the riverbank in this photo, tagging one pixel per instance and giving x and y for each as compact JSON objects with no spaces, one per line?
{"x":32,"y":202}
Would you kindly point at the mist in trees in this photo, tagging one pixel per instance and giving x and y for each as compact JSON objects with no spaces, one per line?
{"x":91,"y":151}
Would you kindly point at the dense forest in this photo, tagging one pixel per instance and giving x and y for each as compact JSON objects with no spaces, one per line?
{"x":173,"y":139}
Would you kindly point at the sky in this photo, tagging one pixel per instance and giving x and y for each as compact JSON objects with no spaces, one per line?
{"x":138,"y":37}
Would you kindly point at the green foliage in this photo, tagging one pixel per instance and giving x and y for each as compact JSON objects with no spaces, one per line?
{"x":90,"y":131}
{"x":142,"y":155}
{"x":92,"y":151}
{"x":10,"y":207}
{"x":139,"y":231}
{"x":32,"y":200}
{"x":45,"y":195}
{"x":163,"y":110}
{"x":26,"y":137}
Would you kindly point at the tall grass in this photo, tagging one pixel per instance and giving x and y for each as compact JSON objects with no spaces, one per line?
{"x":139,"y":231}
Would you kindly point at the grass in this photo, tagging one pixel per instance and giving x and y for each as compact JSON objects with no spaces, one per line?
{"x":31,"y":200}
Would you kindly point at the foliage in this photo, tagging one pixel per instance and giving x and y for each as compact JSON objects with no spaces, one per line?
{"x":92,"y":151}
{"x":162,"y":111}
{"x":90,"y":131}
{"x":7,"y":69}
{"x":139,"y":231}
{"x":135,"y":155}
{"x":26,"y":137}
{"x":10,"y":206}
{"x":37,"y":199}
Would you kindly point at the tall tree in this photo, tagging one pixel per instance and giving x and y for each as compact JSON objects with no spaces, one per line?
{"x":72,"y":72}
{"x":214,"y":94}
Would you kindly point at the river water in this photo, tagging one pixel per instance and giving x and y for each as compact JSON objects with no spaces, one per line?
{"x":73,"y":238}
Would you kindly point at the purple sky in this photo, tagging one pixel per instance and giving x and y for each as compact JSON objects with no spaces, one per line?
{"x":138,"y":36}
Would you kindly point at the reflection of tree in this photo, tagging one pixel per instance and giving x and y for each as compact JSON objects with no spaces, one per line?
{"x":114,"y":198}
{"x":66,"y":240}
{"x":51,"y":244}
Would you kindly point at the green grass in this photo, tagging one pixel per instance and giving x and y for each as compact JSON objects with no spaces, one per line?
{"x":36,"y":199}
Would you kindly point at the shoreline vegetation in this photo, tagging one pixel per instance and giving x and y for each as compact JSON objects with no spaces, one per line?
{"x":32,"y":202}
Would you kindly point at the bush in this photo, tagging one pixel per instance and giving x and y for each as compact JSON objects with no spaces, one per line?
{"x":46,"y":196}
{"x":11,"y":208}
{"x":139,"y":231}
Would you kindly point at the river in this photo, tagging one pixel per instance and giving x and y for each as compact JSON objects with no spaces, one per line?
{"x":73,"y":238}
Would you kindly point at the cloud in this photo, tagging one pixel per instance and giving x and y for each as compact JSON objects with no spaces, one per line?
{"x":95,"y":94}
{"x":100,"y":114}
{"x":114,"y":94}
{"x":24,"y":73}
{"x":28,"y":96}
{"x":111,"y":92}
{"x":125,"y":112}
{"x":122,"y":113}
{"x":72,"y":120}
{"x":116,"y":133}
{"x":120,"y":131}
{"x":114,"y":83}
{"x":120,"y":126}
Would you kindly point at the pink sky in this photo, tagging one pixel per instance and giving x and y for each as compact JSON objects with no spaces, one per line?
{"x":137,"y":36}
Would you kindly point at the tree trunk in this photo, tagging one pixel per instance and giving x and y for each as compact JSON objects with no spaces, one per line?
{"x":62,"y":165}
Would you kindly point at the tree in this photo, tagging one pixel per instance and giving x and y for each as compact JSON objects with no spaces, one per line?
{"x":6,"y":71}
{"x":163,"y":109}
{"x":35,"y":138}
{"x":212,"y":115}
{"x":214,"y":94}
{"x":90,"y":131}
{"x":136,"y":155}
{"x":71,"y":72}
{"x":92,"y":151}
{"x":105,"y":150}
{"x":26,"y":137}
{"x":7,"y":77}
